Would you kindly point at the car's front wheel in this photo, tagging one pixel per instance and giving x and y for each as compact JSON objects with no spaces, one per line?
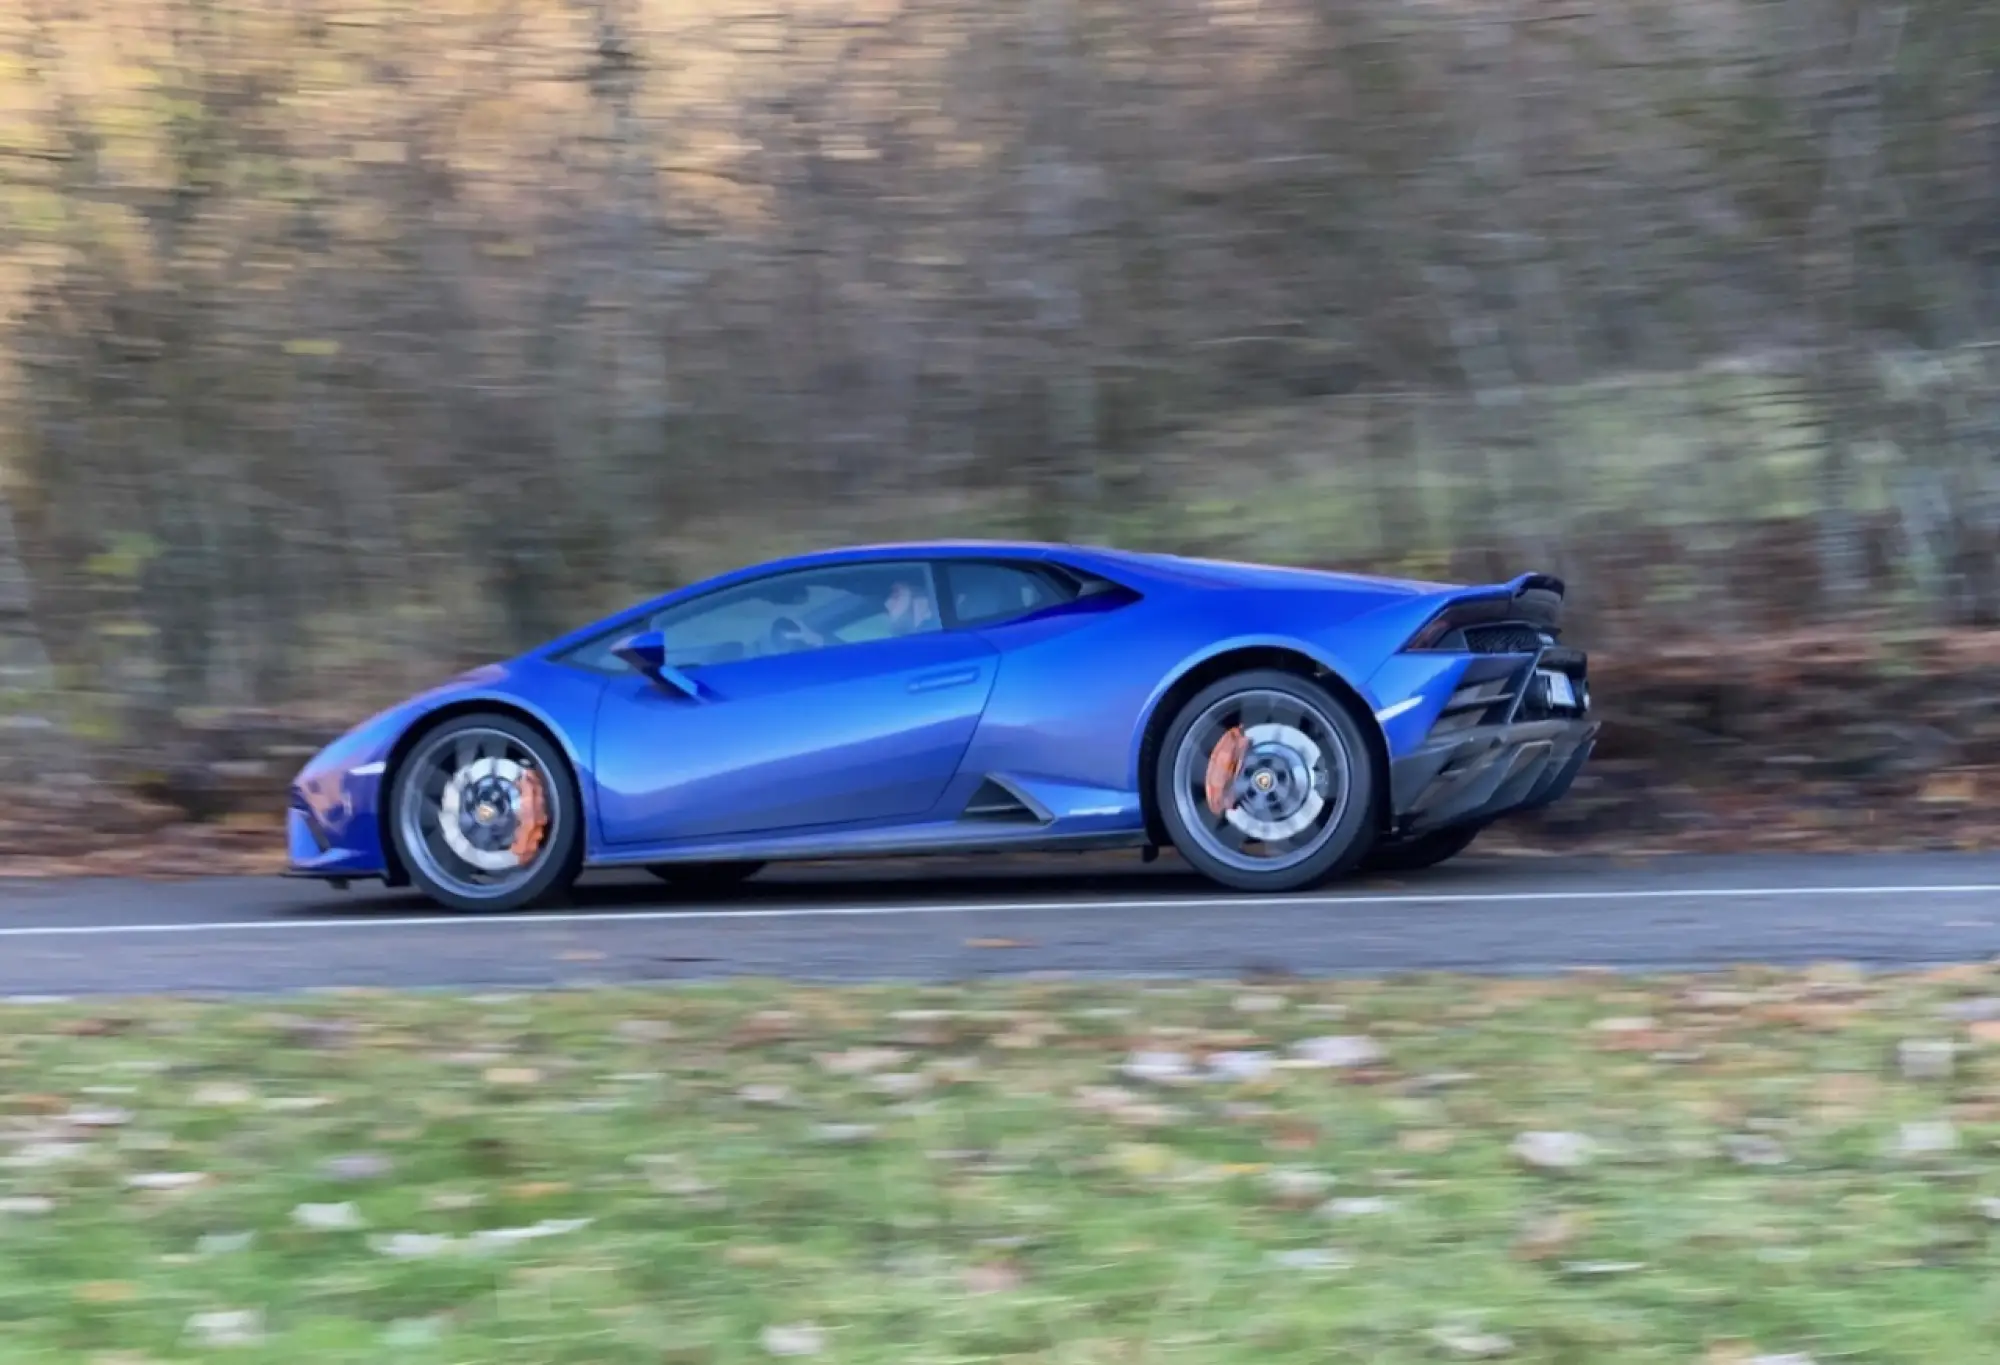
{"x":1264,"y":783}
{"x":485,"y":815}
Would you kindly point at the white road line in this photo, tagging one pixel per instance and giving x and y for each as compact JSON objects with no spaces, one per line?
{"x":809,"y":912}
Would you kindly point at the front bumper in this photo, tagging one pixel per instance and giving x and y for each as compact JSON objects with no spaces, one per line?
{"x":1471,"y":776}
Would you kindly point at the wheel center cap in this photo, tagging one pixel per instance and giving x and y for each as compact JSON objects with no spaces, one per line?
{"x":485,"y":813}
{"x":1264,"y":781}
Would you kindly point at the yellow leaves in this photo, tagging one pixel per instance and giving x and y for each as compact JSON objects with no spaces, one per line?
{"x":1548,"y":1236}
{"x":993,"y":1277}
{"x":753,"y":1255}
{"x":512,"y":1075}
{"x":107,"y":1291}
{"x":313,"y":348}
{"x":1950,"y":789}
{"x":1146,"y":1160}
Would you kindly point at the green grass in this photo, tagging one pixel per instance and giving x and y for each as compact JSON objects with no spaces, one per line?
{"x":978,"y":1180}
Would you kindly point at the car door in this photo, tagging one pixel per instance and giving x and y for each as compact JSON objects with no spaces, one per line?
{"x":860,"y":724}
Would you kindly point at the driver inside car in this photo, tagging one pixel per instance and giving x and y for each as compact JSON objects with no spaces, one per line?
{"x":907,"y":605}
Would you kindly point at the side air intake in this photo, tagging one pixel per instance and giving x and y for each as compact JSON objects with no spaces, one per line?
{"x":997,"y":803}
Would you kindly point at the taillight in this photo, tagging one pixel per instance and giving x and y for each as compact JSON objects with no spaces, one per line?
{"x":1440,"y":632}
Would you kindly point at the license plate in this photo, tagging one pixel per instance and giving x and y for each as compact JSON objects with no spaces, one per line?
{"x":1561,"y":692}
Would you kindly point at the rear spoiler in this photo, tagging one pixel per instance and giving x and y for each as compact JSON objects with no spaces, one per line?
{"x":1536,"y":599}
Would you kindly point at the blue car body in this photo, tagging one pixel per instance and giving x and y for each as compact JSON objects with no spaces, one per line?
{"x":1023,"y":731}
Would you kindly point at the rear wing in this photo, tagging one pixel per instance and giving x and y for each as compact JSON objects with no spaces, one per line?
{"x":1533,"y":599}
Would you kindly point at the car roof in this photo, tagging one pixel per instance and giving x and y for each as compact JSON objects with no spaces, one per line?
{"x":1155,"y":568}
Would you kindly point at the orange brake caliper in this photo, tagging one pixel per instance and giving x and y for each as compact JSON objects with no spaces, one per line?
{"x":534,"y":818}
{"x":1223,"y":765}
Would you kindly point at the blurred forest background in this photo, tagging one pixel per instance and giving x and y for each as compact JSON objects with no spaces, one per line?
{"x":346,"y":342}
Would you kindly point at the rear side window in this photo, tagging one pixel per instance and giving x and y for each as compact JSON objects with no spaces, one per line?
{"x":983,"y":594}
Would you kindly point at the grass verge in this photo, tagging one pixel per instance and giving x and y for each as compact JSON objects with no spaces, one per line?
{"x":1586,"y":1169}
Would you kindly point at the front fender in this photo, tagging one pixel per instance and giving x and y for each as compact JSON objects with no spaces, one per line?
{"x":337,"y":801}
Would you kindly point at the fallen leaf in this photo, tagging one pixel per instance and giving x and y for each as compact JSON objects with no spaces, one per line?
{"x":1470,"y":1344}
{"x":327,"y":1217}
{"x":1239,"y":1067}
{"x":1548,"y":1236}
{"x":358,"y":1166}
{"x":860,"y":1061}
{"x":1142,"y":1158}
{"x":1297,"y":1189}
{"x":1597,"y":1269}
{"x":167,"y":1180}
{"x":1949,"y":789}
{"x":1311,"y":1258}
{"x":802,"y":1339}
{"x":512,"y":1075}
{"x":992,"y":1277}
{"x":490,"y":1238}
{"x":1754,"y":1149}
{"x":223,"y":1094}
{"x":99,"y":1118}
{"x":843,"y":1134}
{"x":1364,"y":1206}
{"x":766,"y":1026}
{"x":753,"y":1255}
{"x":224,"y":1243}
{"x":1926,"y":1138}
{"x":1158,"y":1068}
{"x":1549,"y":1151}
{"x":107,"y":1291}
{"x":1925,"y":1059}
{"x":242,"y":1327}
{"x":411,"y":1333}
{"x":1338,"y":1052}
{"x":899,"y":1084}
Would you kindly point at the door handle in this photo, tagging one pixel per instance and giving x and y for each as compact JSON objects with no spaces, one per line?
{"x":951,"y":677}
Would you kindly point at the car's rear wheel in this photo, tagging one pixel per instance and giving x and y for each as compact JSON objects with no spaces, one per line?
{"x":1264,"y":783}
{"x":705,"y":878}
{"x":486,"y":815}
{"x":1426,"y":850}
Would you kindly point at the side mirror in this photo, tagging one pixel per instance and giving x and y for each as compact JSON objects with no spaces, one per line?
{"x":647,"y":652}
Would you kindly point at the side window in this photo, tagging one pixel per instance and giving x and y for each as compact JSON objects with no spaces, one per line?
{"x":810,"y":609}
{"x":986,"y":593}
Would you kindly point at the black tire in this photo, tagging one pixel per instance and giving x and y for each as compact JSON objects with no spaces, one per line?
{"x":1426,"y":850}
{"x":705,"y":877}
{"x":554,"y":865}
{"x":1340,"y":845}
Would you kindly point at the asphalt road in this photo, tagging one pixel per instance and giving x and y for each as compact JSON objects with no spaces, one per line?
{"x":933,"y":921}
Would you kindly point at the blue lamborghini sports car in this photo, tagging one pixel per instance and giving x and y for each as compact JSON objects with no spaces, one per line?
{"x":1277,"y":727}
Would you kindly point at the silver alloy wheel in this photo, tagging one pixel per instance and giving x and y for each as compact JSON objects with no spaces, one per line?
{"x":1288,"y":789}
{"x":463,"y":799}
